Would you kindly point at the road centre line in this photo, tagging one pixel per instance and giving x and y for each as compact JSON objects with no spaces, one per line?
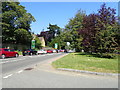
{"x":12,"y":61}
{"x":42,"y":55}
{"x":19,"y":59}
{"x":20,"y":71}
{"x":23,"y":58}
{"x":8,"y":76}
{"x":50,"y":54}
{"x":12,"y":74}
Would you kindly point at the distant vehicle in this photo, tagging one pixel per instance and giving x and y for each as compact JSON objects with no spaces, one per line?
{"x":61,"y":50}
{"x":29,"y":52}
{"x":41,"y":51}
{"x":65,"y":51}
{"x":54,"y":51}
{"x":71,"y":51}
{"x":4,"y":52}
{"x":49,"y":51}
{"x":57,"y":50}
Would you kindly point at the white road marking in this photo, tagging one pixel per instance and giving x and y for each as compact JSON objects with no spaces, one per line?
{"x":7,"y":61}
{"x":50,"y":54}
{"x":20,"y":71}
{"x":4,"y":59}
{"x":1,"y":62}
{"x":30,"y":56}
{"x":43,"y":55}
{"x":8,"y":76}
{"x":13,"y":60}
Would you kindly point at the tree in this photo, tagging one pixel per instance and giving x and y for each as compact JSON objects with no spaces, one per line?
{"x":106,"y":27}
{"x":16,"y":23}
{"x":88,"y":33}
{"x":54,"y":30}
{"x":57,"y":40}
{"x":37,"y":42}
{"x":70,"y":33}
{"x":72,"y":27}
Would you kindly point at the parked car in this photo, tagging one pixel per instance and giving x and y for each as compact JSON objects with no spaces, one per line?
{"x":71,"y":51}
{"x":41,"y":51}
{"x":61,"y":50}
{"x":49,"y":51}
{"x":29,"y":52}
{"x":4,"y":52}
{"x":65,"y":51}
{"x":57,"y":50}
{"x":54,"y":51}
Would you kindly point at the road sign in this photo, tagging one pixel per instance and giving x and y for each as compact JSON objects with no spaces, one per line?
{"x":56,"y":45}
{"x":33,"y":44}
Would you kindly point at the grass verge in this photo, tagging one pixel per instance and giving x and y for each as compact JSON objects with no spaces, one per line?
{"x":19,"y":52}
{"x":81,"y":61}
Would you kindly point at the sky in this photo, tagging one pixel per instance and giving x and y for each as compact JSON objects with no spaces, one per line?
{"x":59,"y":12}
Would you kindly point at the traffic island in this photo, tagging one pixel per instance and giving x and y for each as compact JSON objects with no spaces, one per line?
{"x":77,"y":62}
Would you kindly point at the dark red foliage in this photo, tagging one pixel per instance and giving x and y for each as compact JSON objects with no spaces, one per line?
{"x":106,"y":16}
{"x":88,"y":31}
{"x":93,"y":24}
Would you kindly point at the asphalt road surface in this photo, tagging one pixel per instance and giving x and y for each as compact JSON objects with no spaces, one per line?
{"x":12,"y":64}
{"x":25,"y":72}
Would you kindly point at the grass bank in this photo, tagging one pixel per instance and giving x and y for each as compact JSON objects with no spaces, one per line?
{"x":82,"y":61}
{"x":19,"y":52}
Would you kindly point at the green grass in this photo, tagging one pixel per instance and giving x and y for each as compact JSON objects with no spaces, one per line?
{"x":81,"y":61}
{"x":19,"y":52}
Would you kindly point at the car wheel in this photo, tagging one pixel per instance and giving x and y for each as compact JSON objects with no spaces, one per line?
{"x":31,"y":54}
{"x":16,"y":55}
{"x":3,"y":56}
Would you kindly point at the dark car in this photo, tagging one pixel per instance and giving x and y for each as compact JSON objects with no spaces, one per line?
{"x":4,"y":52}
{"x":29,"y":52}
{"x":65,"y":50}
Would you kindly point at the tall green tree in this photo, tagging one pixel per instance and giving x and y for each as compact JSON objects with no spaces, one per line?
{"x":37,"y":42}
{"x":70,"y":33}
{"x":72,"y":27}
{"x":54,"y":30}
{"x":59,"y":40}
{"x":16,"y":23}
{"x":107,"y":28}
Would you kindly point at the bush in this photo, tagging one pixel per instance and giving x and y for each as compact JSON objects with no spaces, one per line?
{"x":108,"y":55}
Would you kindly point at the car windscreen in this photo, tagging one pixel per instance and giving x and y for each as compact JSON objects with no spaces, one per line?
{"x":12,"y":50}
{"x":6,"y":49}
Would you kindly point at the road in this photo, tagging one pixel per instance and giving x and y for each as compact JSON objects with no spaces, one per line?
{"x":36,"y":72}
{"x":12,"y":64}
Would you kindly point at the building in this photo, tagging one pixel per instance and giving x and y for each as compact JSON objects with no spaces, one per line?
{"x":46,"y":35}
{"x":42,"y":41}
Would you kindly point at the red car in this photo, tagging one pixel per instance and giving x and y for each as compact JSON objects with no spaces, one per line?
{"x":61,"y":50}
{"x":4,"y":52}
{"x":49,"y":51}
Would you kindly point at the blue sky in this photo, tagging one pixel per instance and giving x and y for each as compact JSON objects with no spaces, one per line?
{"x":59,"y":12}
